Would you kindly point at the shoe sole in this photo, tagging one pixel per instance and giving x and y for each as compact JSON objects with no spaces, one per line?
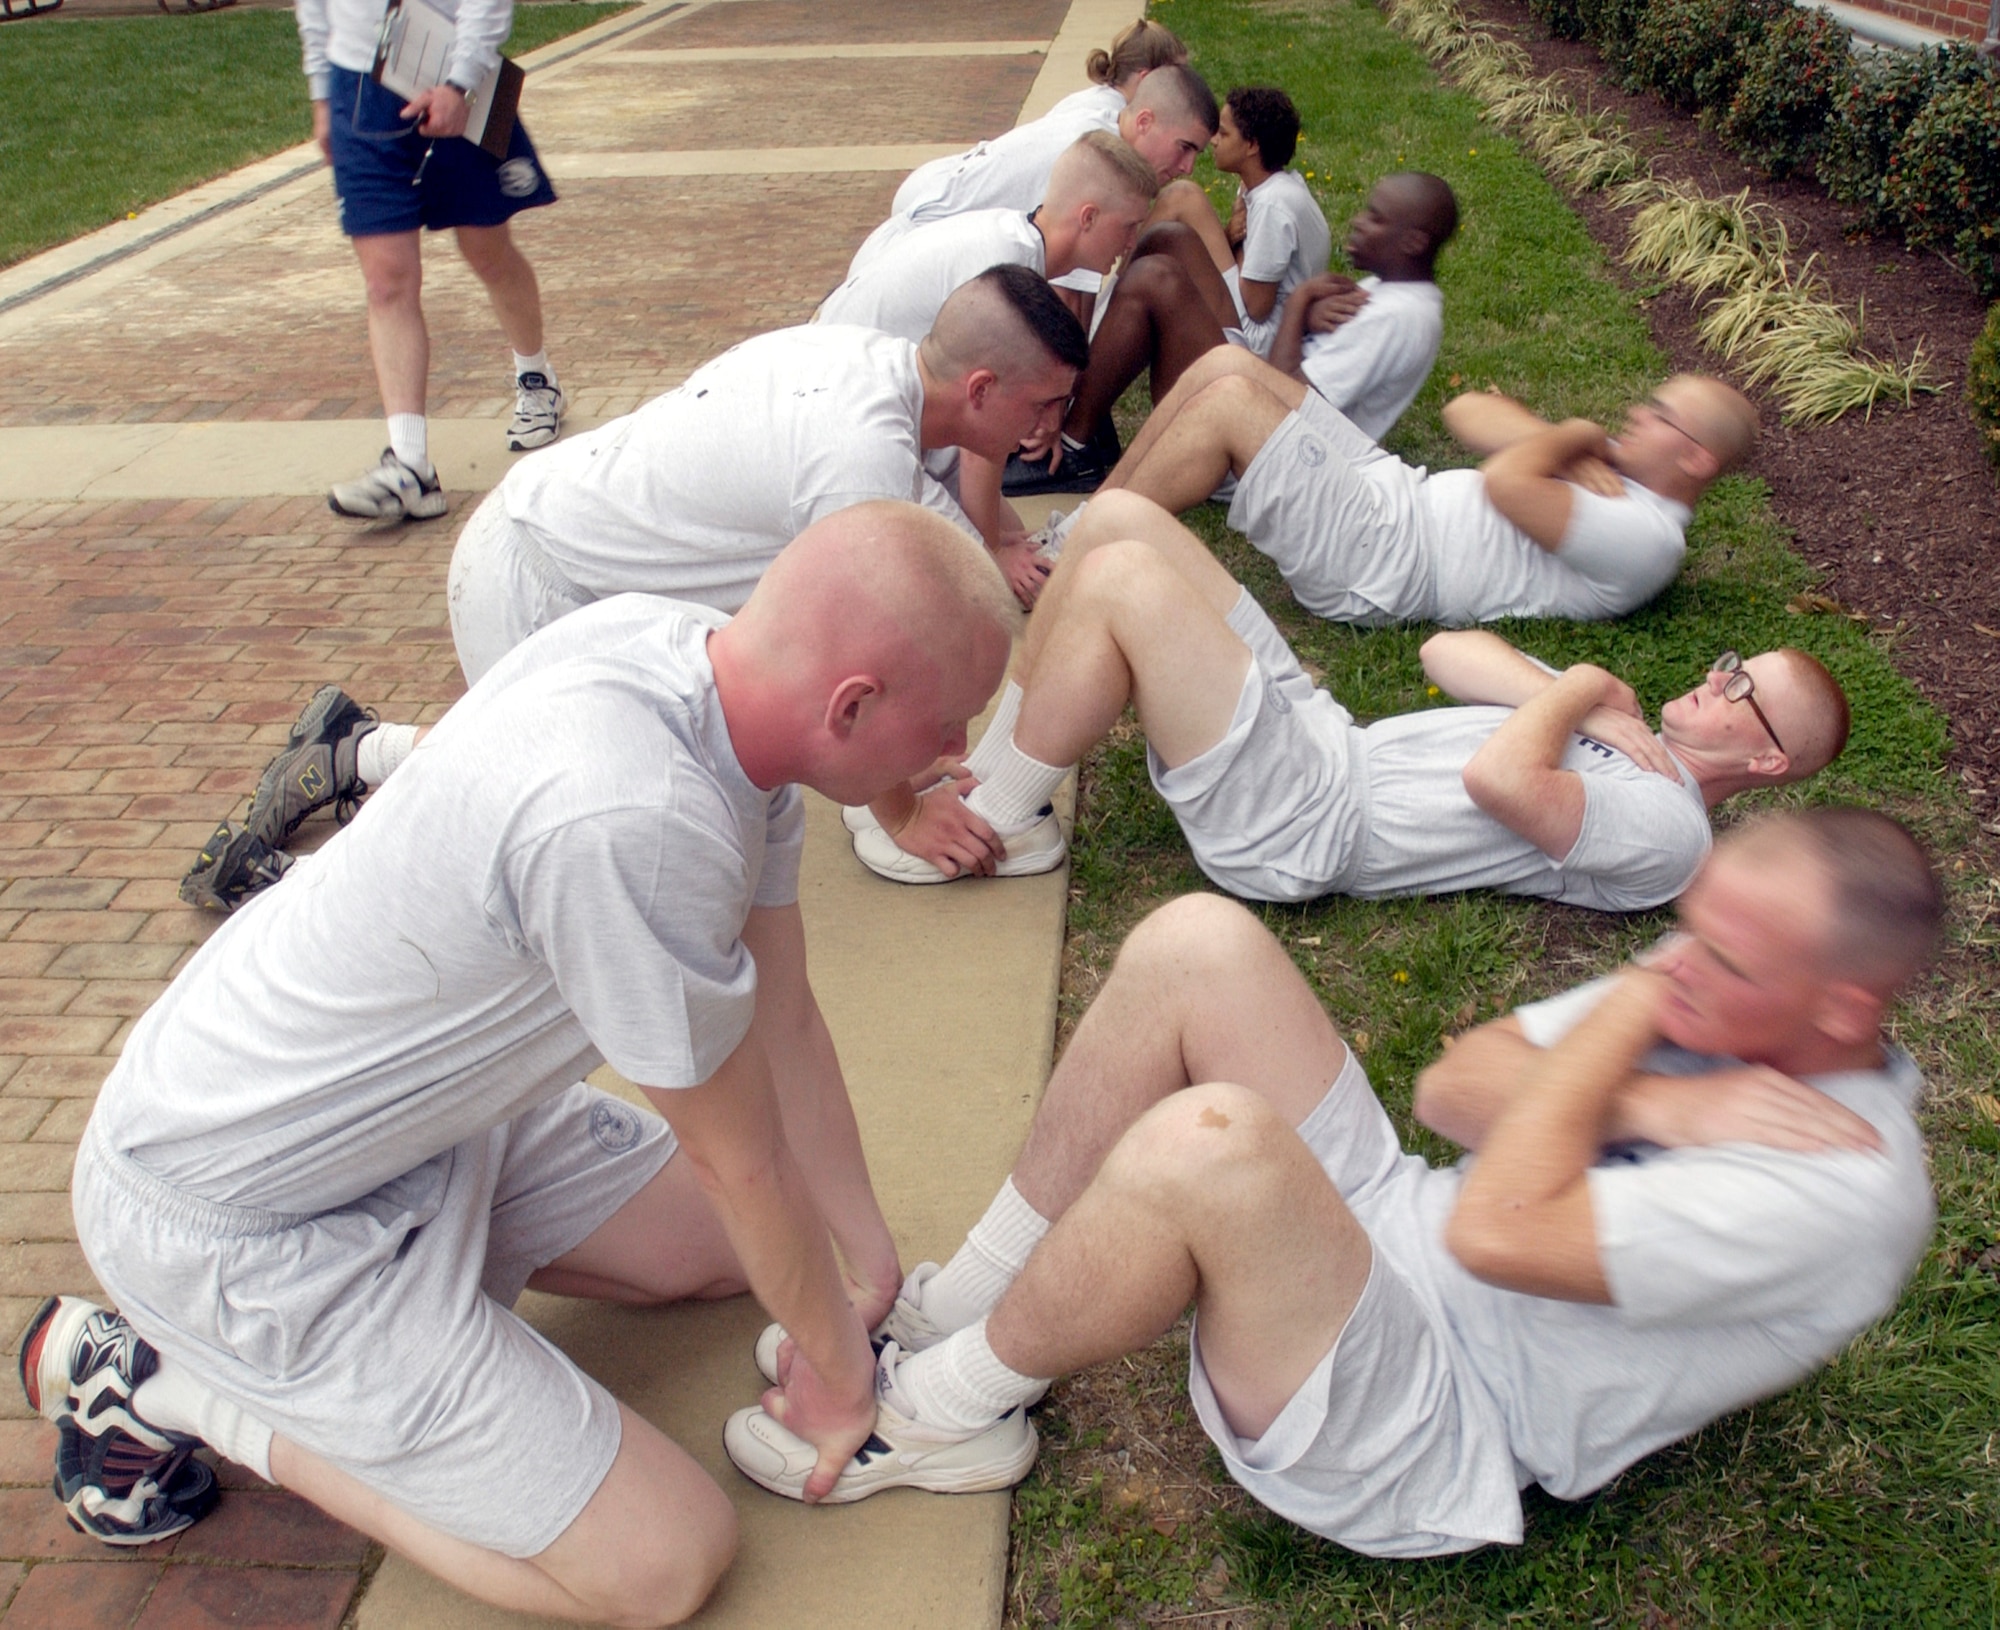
{"x":1054,"y":483}
{"x":532,"y":440}
{"x":1033,"y":865}
{"x":312,"y":717}
{"x":427,"y":508}
{"x":36,"y":1389}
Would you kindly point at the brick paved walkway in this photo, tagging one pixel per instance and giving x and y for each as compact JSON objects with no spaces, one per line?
{"x":152,"y":651}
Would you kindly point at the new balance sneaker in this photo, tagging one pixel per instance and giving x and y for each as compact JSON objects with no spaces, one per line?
{"x":538,"y":412}
{"x":901,"y":1453}
{"x":115,"y":1489}
{"x":908,"y":1325}
{"x":316,"y":768}
{"x":1040,"y":848}
{"x":233,"y":865}
{"x":392,"y":491}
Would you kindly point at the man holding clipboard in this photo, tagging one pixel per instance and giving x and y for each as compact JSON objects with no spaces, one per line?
{"x":393,"y":86}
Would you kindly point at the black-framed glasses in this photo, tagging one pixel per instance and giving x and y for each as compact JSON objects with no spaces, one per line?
{"x":1738,"y":686}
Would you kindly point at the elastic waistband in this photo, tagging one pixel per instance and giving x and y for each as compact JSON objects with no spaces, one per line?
{"x":166,"y":1203}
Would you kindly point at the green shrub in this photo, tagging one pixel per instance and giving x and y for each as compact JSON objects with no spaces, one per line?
{"x":1944,"y":179}
{"x":1794,"y":74}
{"x":1612,"y":26}
{"x":1562,"y":18}
{"x":1982,"y":384}
{"x":1691,"y":51}
{"x":1886,"y":92}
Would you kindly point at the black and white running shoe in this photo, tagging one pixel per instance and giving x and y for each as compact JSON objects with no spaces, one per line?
{"x":392,"y":491}
{"x":538,"y":412}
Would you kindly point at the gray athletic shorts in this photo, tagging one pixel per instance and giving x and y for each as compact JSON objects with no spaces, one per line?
{"x":1339,"y":517}
{"x":1273,"y":811}
{"x":1390,"y":1447}
{"x":379,"y":1336}
{"x":501,"y":588}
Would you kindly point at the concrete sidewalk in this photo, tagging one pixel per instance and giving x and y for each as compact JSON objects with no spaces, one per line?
{"x":185,"y":387}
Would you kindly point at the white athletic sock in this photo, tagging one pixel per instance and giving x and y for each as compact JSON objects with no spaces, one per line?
{"x":1072,"y":443}
{"x":379,"y":752}
{"x":1016,"y":788}
{"x":958,"y":1384}
{"x":172,"y":1399}
{"x":409,"y":440}
{"x":998,"y":732}
{"x":970,"y":1285}
{"x":536,"y":364}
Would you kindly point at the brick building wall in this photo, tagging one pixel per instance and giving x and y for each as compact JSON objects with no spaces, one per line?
{"x":1957,"y":19}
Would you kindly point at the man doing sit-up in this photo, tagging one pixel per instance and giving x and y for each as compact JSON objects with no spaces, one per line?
{"x":1695,"y":1182}
{"x":1561,"y":520}
{"x":1546,"y":784}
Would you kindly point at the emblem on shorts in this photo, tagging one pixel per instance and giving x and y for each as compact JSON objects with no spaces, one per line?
{"x":615,"y":1126}
{"x":1276,"y":697}
{"x":1311,"y":454}
{"x":518,"y":177}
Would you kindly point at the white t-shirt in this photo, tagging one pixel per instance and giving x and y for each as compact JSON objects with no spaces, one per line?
{"x":1285,"y":241}
{"x":1098,"y":99}
{"x":1372,"y":366}
{"x":1735,"y":1271}
{"x":901,"y":290}
{"x":696,"y":493}
{"x":558,"y":876}
{"x":344,"y":34}
{"x":1617,"y":554}
{"x":1009,"y":172}
{"x":1642,"y":840}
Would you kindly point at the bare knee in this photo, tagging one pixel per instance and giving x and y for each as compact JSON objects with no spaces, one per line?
{"x":645,"y":1586}
{"x":1112,"y":515}
{"x":1201,"y":940}
{"x":1177,"y":199}
{"x":392,"y":279}
{"x":1206,"y":1152}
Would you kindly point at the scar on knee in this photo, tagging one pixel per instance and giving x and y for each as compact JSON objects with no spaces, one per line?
{"x":1214,"y":1118}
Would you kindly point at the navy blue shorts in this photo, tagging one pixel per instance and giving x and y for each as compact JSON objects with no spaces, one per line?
{"x":390,"y":179}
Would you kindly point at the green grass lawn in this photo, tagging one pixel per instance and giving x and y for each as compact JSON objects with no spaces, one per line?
{"x":101,"y":117}
{"x":1870,"y":1495}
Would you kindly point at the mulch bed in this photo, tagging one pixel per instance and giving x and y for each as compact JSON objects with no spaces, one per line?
{"x":1900,"y":514}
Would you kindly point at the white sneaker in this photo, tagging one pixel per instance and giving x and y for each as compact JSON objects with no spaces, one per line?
{"x":1040,"y":848}
{"x":859,"y":818}
{"x":538,"y":412}
{"x":392,"y":491}
{"x":908,"y":1325}
{"x":901,"y":1453}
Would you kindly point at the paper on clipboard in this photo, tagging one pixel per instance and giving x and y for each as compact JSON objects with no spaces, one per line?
{"x":414,"y":54}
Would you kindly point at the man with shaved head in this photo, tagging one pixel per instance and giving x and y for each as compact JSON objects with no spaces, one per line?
{"x":1696,"y":1180}
{"x":352,"y":1130}
{"x":1560,"y":520}
{"x":1171,"y":117}
{"x":1546,"y":784}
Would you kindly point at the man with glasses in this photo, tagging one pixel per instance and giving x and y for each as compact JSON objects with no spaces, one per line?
{"x":1545,"y":783}
{"x":1561,"y":520}
{"x":1696,"y":1181}
{"x":400,"y":168}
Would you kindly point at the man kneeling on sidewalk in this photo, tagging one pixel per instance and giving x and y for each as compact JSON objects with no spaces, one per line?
{"x":354,"y":1127}
{"x":1548,"y":785}
{"x":1695,"y":1182}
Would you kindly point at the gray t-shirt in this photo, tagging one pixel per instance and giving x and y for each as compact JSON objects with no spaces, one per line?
{"x":1643,"y":835}
{"x":558,"y":876}
{"x":1285,"y":241}
{"x":696,"y":493}
{"x":1735,"y":1271}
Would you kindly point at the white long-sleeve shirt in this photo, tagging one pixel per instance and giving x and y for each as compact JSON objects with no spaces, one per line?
{"x":343,"y":34}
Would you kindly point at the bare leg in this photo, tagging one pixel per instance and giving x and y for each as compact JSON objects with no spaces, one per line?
{"x":1219,"y":363}
{"x":1210,"y":1198}
{"x":392,"y":266}
{"x":497,"y":261}
{"x":1186,"y":203}
{"x":1128,"y":627}
{"x":1156,"y":319}
{"x":647,"y":1549}
{"x":1215,"y":434}
{"x":1188,"y":249}
{"x":650,"y":1544}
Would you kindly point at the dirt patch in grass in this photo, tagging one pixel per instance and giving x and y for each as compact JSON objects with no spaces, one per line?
{"x":1899,"y":514}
